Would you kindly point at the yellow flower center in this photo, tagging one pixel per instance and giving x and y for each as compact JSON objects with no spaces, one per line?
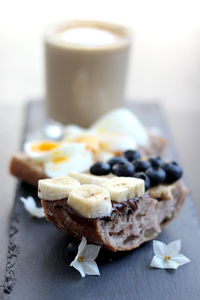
{"x":166,"y":258}
{"x":80,"y":258}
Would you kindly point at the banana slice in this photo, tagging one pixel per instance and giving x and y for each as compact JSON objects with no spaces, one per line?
{"x":90,"y":201}
{"x":124,"y":188}
{"x":88,"y":178}
{"x":56,"y":188}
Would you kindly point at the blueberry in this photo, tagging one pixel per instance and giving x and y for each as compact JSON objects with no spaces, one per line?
{"x":141,"y":165}
{"x":142,"y":175}
{"x":117,"y":159}
{"x":156,"y":175}
{"x":173,"y":171}
{"x":72,"y":249}
{"x":156,"y":161}
{"x":100,"y":168}
{"x":123,"y":169}
{"x":132,"y":155}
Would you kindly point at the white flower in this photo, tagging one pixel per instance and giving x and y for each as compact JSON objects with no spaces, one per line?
{"x":84,"y":260}
{"x":168,"y":256}
{"x":30,"y":206}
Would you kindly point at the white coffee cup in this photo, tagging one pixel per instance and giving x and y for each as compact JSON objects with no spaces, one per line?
{"x":86,"y":66}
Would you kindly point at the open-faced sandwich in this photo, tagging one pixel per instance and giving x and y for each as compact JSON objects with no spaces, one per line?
{"x":119,"y":204}
{"x":110,"y":136}
{"x":107,"y":183}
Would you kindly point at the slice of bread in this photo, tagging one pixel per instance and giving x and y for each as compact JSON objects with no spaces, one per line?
{"x":129,"y":224}
{"x":25,"y":169}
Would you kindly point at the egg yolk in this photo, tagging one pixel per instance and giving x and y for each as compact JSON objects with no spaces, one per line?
{"x":44,"y":146}
{"x":59,"y":160}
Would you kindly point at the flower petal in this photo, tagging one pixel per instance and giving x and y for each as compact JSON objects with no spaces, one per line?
{"x":171,"y":264}
{"x":167,"y":257}
{"x":158,"y":262}
{"x":173,"y":248}
{"x":180,"y":259}
{"x":159,"y":248}
{"x":78,"y":266}
{"x":91,"y":252}
{"x":30,"y":206}
{"x":82,"y":245}
{"x":90,"y":267}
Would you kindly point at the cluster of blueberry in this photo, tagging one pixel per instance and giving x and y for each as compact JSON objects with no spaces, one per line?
{"x":153,"y":171}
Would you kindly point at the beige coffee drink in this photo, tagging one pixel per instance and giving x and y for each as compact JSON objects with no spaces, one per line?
{"x":86,"y":64}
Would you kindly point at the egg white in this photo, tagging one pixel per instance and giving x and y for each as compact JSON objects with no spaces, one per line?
{"x":104,"y":156}
{"x":72,"y":131}
{"x":122,"y":121}
{"x":62,"y":149}
{"x":117,"y":142}
{"x":75,"y":162}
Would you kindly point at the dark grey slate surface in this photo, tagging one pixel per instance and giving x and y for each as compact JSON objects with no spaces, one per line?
{"x":38,"y":264}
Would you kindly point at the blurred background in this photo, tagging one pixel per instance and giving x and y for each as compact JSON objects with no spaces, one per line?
{"x":164,"y":67}
{"x":165,"y":62}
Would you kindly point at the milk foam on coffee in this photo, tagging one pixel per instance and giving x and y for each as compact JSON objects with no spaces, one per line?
{"x":89,"y":37}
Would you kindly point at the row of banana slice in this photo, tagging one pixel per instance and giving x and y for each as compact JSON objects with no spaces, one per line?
{"x":90,"y":195}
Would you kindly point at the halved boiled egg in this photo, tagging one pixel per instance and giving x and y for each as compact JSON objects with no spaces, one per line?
{"x":59,"y":158}
{"x":41,"y":151}
{"x":122,"y":121}
{"x":79,"y":161}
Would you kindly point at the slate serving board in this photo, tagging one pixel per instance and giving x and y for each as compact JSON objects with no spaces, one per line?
{"x":38,"y":263}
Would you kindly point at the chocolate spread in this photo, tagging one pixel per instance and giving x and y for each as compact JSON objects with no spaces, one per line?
{"x":117,"y":208}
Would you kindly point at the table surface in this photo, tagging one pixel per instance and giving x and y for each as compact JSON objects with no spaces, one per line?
{"x":184,"y":128}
